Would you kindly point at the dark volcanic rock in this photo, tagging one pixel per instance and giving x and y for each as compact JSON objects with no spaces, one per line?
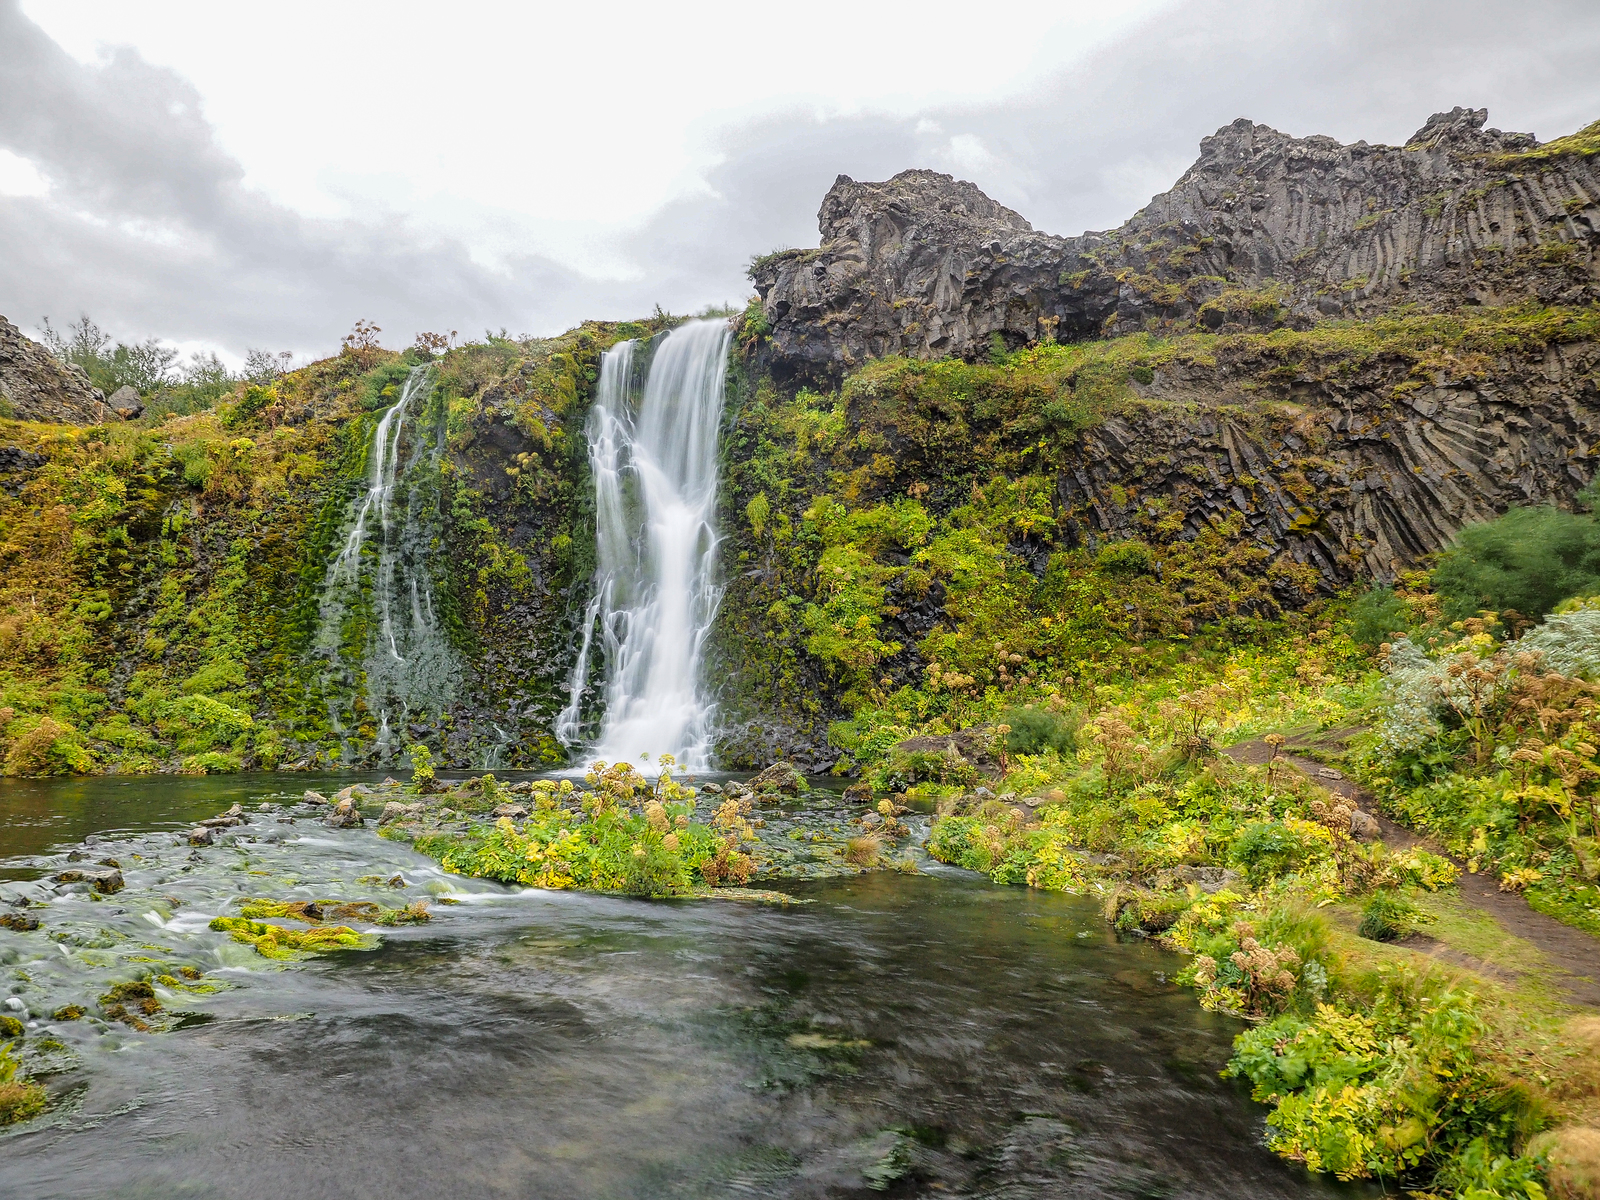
{"x":928,"y":266}
{"x":36,"y":387}
{"x":104,"y":880}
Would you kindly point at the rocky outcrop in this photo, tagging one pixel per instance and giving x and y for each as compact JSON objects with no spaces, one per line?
{"x":1355,"y":476}
{"x":1264,"y":229}
{"x":36,"y":387}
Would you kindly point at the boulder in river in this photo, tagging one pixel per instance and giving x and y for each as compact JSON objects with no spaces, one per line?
{"x":104,"y":880}
{"x":395,"y":811}
{"x":345,"y":815}
{"x":780,"y":777}
{"x":514,"y":811}
{"x":200,"y":835}
{"x":314,"y":798}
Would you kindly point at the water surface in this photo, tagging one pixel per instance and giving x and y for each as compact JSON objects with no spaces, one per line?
{"x":896,"y":1035}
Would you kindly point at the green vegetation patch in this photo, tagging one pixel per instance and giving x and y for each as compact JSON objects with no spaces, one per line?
{"x":290,"y":945}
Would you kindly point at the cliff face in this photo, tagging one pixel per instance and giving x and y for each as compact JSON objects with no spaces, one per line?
{"x":38,"y":388}
{"x":1359,"y":476}
{"x":1264,"y":229}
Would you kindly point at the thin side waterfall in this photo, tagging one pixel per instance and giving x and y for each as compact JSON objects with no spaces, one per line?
{"x":655,"y":589}
{"x":405,"y":664}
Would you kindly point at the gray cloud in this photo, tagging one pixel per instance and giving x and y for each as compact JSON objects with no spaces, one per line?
{"x":149,"y":227}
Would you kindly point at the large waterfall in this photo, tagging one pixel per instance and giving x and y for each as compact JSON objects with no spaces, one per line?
{"x":654,"y":460}
{"x":377,"y":606}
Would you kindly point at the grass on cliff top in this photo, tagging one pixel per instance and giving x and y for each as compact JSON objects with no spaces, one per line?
{"x":1463,"y":342}
{"x":1583,"y":144}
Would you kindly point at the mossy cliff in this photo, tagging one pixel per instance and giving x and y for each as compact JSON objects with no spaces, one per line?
{"x":161,"y":580}
{"x":1047,"y":502}
{"x":1069,"y":503}
{"x":937,"y":458}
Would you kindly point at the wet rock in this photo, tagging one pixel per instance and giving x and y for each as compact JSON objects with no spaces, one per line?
{"x":200,"y":835}
{"x":313,"y":798}
{"x":395,"y":811}
{"x":514,"y":811}
{"x":20,"y":922}
{"x":104,"y":880}
{"x":858,"y":793}
{"x":780,"y":777}
{"x":345,"y":815}
{"x":711,"y":789}
{"x":220,"y":822}
{"x":737,"y":791}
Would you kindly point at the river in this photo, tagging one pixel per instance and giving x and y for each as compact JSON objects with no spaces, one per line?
{"x":893,"y":1034}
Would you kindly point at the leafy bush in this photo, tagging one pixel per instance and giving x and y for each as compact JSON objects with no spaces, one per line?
{"x":1036,"y":730}
{"x":1124,"y":558}
{"x":50,"y":747}
{"x":1388,"y":916}
{"x":1267,"y":849}
{"x":1569,"y":641}
{"x":1529,"y":561}
{"x":201,"y":723}
{"x":1377,"y":616}
{"x":1397,"y":1090}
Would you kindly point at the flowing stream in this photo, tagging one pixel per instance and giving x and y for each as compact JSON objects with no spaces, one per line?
{"x":403,"y":661}
{"x":902,"y":1035}
{"x":653,"y":453}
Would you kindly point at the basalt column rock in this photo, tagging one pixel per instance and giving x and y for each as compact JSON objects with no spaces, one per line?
{"x":36,"y":387}
{"x":1264,"y":229}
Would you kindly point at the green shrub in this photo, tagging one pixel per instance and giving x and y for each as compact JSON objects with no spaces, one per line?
{"x":1388,"y":916}
{"x":1124,"y":558}
{"x":201,"y":723}
{"x":421,"y":766}
{"x":1035,"y":730}
{"x":1378,"y":616}
{"x":1267,"y":849}
{"x":650,"y":869}
{"x":1529,"y":560}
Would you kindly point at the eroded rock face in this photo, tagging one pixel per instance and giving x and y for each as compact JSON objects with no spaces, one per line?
{"x":36,"y":387}
{"x":1343,"y":476}
{"x":928,"y":266}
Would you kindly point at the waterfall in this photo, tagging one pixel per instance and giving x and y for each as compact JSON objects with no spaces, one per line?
{"x":380,"y":575}
{"x":655,"y":590}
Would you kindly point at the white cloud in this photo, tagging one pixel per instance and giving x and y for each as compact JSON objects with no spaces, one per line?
{"x":19,"y":177}
{"x":238,"y":181}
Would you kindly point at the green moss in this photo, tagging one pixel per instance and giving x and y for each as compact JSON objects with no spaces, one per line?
{"x":288,"y":945}
{"x":20,"y":1097}
{"x":1583,"y":144}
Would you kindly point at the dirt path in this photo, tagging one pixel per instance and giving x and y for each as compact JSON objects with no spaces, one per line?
{"x":1569,"y":950}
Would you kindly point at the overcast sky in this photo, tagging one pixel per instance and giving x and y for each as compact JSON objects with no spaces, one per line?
{"x":230,"y":175}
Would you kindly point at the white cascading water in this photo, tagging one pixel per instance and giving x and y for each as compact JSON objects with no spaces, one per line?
{"x":655,"y":587}
{"x":410,"y":669}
